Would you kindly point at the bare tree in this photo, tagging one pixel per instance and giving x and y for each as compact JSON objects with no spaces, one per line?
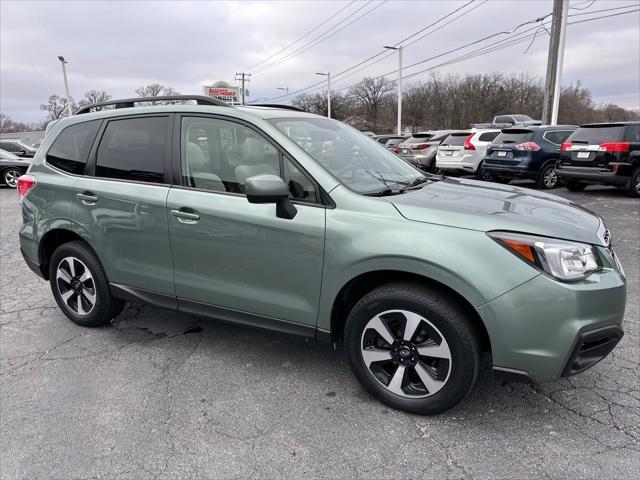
{"x":94,"y":96}
{"x":369,"y":95}
{"x":341,"y":104}
{"x":155,"y":90}
{"x":56,"y":107}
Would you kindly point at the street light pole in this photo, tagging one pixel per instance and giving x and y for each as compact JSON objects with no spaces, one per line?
{"x":66,"y":83}
{"x":328,"y":75}
{"x":399,"y":49}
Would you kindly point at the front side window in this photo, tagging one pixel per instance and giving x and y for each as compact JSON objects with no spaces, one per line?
{"x":357,"y":162}
{"x":133,"y":149}
{"x":69,"y":152}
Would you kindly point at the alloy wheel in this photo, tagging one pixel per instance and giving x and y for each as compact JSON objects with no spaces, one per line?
{"x":11,"y":178}
{"x":637,"y":186}
{"x":406,"y":353}
{"x":550,"y":177}
{"x":76,"y":285}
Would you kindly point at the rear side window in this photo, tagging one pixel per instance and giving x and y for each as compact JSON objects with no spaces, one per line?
{"x":504,"y":120}
{"x":133,"y":149}
{"x":70,"y":150}
{"x":455,"y":140}
{"x":633,"y":133}
{"x":514,"y":136}
{"x":10,"y":147}
{"x":597,"y":135}
{"x":557,"y":136}
{"x":487,"y":136}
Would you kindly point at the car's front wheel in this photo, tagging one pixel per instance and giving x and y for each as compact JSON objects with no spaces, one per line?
{"x":10,"y":177}
{"x":80,"y":286}
{"x":413,"y":348}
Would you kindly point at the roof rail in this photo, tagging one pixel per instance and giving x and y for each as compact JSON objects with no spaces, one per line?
{"x":130,"y":102}
{"x":275,"y":105}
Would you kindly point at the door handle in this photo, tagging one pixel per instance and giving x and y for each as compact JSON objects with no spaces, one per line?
{"x":185,"y":217}
{"x":87,"y":198}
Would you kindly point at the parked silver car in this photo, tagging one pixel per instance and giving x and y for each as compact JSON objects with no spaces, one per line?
{"x":420,"y":149}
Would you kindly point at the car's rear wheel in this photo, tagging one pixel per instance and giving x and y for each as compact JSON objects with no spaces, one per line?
{"x":634,"y":183}
{"x":10,"y":177}
{"x":547,"y":176}
{"x":80,"y":286}
{"x":575,"y":186}
{"x":483,"y":174}
{"x":412,"y":348}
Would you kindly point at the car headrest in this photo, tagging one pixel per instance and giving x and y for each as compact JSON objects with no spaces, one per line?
{"x":195,"y":156}
{"x":252,"y":151}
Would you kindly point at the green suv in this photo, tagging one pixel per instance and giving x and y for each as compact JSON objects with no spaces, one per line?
{"x":277,"y":218}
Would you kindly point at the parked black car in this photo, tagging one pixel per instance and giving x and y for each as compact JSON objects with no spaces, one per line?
{"x":17,"y":148}
{"x":602,"y":153}
{"x":527,"y":152}
{"x":12,"y":167}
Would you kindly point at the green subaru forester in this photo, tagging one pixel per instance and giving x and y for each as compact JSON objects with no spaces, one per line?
{"x":277,"y":218}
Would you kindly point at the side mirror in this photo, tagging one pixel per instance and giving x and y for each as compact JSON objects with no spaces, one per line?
{"x":270,"y":189}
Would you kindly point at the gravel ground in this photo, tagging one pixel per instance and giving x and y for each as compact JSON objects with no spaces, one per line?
{"x":166,"y":395}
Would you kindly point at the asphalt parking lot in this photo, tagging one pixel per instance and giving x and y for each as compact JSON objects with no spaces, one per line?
{"x":166,"y":395}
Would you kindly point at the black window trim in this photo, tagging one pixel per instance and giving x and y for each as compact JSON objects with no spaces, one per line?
{"x":324,"y":200}
{"x":93,"y":144}
{"x":90,"y":167}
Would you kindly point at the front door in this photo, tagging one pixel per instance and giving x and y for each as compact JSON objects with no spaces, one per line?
{"x":233,"y":257}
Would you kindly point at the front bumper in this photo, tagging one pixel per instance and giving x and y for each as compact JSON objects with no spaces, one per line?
{"x":591,"y":175}
{"x":544,"y":329}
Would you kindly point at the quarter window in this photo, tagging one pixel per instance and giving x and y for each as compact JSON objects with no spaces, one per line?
{"x":70,"y":150}
{"x":133,"y":149}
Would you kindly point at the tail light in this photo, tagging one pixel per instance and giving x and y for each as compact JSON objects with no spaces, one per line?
{"x":25,"y":184}
{"x":615,"y":147}
{"x":528,"y":147}
{"x":421,"y":146}
{"x":566,"y":146}
{"x":395,"y":149}
{"x":467,"y":143}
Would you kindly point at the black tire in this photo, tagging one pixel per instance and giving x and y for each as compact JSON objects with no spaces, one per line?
{"x":439,"y":311}
{"x":547,"y":178}
{"x":502,"y":180}
{"x":10,"y":176}
{"x":634,"y":184}
{"x":575,"y":186}
{"x":482,"y":174}
{"x":104,"y":307}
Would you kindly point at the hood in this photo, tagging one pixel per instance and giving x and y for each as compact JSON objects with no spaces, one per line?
{"x":487,"y":206}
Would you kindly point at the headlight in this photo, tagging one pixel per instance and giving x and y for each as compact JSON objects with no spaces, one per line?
{"x":567,"y":261}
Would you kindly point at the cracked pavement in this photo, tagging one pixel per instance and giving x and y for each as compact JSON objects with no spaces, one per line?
{"x":164,"y":395}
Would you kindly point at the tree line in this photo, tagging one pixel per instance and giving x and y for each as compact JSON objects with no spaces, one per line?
{"x":456,"y":101}
{"x":56,"y":107}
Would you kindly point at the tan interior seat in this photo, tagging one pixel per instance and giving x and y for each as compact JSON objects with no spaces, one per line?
{"x":198,"y":172}
{"x":254,"y":162}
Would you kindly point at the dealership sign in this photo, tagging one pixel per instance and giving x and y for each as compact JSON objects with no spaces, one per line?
{"x":223,"y":91}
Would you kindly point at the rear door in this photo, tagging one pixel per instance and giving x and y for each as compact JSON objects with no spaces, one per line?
{"x":120,"y":202}
{"x":583,"y":148}
{"x":234,"y":259}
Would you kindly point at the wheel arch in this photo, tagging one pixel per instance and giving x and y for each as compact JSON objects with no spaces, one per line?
{"x":52,"y":240}
{"x":363,"y":283}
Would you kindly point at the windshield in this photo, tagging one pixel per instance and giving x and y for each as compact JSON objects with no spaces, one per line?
{"x":357,"y":162}
{"x":522,"y":118}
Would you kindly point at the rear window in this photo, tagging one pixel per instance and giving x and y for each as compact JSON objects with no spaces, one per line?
{"x":487,"y":136}
{"x":597,"y":135}
{"x":633,"y":133}
{"x":70,"y":150}
{"x":419,"y":137}
{"x":456,"y":140}
{"x":557,"y":136}
{"x":133,"y":149}
{"x":514,"y":136}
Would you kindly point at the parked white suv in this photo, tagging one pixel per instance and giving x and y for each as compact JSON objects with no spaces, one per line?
{"x":462,"y":152}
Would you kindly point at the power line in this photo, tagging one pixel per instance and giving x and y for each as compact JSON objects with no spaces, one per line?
{"x":575,"y":7}
{"x":603,"y":16}
{"x":321,"y":38}
{"x":604,"y":10}
{"x":302,"y":37}
{"x":384,"y":52}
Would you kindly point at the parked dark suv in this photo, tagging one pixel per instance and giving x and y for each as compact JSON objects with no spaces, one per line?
{"x":527,"y":152}
{"x":602,"y":153}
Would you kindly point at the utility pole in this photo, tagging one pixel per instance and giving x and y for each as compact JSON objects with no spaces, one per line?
{"x":244,"y":77}
{"x":399,"y":49}
{"x":554,"y":62}
{"x":66,"y":84}
{"x":328,"y":75}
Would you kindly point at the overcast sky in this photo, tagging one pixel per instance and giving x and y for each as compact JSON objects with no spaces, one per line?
{"x":119,"y":46}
